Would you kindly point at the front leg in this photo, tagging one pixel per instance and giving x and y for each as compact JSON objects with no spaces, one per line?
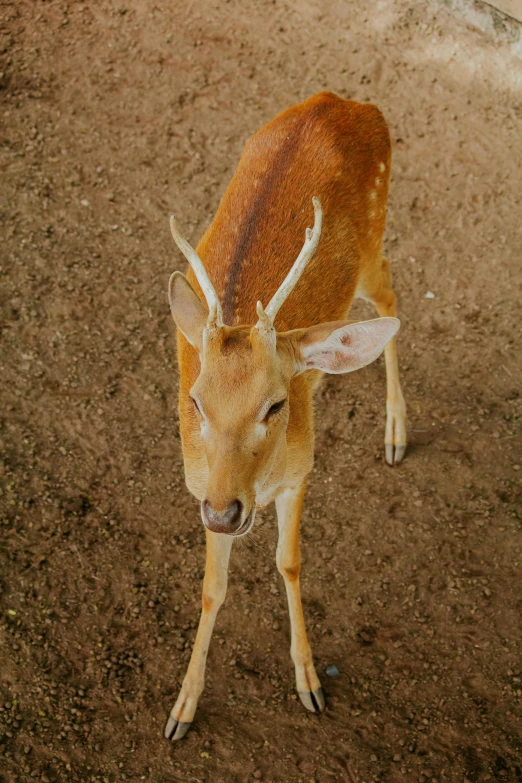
{"x":288,"y":505}
{"x":214,"y":591}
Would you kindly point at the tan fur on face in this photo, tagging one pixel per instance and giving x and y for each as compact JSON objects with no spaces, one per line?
{"x":242,"y":375}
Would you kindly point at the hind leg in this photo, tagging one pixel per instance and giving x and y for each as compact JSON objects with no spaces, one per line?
{"x":375,"y":286}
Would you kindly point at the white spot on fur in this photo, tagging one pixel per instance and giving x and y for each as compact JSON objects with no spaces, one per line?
{"x":378,"y":181}
{"x":382,"y":166}
{"x":372,"y":213}
{"x":373,"y":195}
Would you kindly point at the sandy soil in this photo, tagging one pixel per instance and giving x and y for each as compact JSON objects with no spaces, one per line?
{"x":114,"y":114}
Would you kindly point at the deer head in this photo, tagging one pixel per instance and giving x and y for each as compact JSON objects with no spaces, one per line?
{"x":241,"y":401}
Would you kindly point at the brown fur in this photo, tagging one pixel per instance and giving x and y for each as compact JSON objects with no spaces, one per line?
{"x":327,"y":147}
{"x":338,"y":151}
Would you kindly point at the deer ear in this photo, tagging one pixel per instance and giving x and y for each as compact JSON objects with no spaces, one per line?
{"x":339,"y":346}
{"x":188,"y":311}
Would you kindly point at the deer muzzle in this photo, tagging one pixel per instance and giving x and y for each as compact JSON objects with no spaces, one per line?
{"x":231,"y":520}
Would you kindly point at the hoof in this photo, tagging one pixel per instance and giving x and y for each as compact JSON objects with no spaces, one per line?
{"x":394,"y":454}
{"x":174,"y":730}
{"x":313,"y":700}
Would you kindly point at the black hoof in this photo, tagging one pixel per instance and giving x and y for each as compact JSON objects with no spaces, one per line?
{"x":313,"y":700}
{"x":174,"y":730}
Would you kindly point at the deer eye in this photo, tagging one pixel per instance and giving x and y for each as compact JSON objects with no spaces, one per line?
{"x":275,"y":408}
{"x":196,"y":406}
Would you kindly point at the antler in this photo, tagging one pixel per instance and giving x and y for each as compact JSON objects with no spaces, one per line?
{"x":215,"y":316}
{"x":267,"y":316}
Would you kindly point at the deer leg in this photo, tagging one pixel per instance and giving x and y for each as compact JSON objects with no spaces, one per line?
{"x":378,"y":289}
{"x":288,"y":505}
{"x":214,"y":591}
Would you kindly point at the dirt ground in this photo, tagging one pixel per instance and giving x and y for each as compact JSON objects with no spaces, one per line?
{"x":114,"y":114}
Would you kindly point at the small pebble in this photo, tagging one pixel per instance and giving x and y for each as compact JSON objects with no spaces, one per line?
{"x":333,"y":672}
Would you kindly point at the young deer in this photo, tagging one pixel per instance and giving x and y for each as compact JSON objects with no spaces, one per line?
{"x":248,"y":372}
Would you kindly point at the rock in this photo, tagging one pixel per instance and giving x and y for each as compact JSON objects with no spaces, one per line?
{"x":333,"y":672}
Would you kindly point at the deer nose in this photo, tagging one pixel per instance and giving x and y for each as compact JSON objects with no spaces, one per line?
{"x":226,"y":521}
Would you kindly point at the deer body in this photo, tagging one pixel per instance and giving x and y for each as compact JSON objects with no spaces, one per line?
{"x":246,"y":394}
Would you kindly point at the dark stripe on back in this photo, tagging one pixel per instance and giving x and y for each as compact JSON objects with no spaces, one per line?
{"x":257,"y":212}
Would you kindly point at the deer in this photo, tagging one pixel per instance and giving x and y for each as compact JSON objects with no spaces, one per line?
{"x":261,"y":317}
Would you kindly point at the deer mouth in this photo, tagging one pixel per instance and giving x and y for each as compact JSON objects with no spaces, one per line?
{"x":247,"y":525}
